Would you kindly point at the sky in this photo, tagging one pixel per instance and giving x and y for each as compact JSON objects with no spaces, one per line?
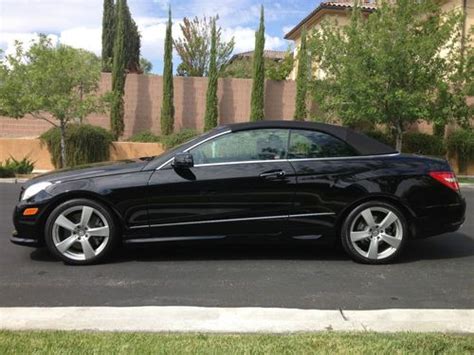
{"x":78,"y":22}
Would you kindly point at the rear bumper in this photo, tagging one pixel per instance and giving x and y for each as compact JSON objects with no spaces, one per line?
{"x":439,"y":220}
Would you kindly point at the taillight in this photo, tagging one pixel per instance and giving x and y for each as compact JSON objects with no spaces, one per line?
{"x":447,"y":178}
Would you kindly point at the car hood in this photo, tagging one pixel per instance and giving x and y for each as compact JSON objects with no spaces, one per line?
{"x":92,"y":170}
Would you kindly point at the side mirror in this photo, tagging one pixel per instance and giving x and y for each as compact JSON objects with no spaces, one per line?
{"x":183,"y":161}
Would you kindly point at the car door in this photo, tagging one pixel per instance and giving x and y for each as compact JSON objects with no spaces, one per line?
{"x":241,"y":184}
{"x":322,"y":164}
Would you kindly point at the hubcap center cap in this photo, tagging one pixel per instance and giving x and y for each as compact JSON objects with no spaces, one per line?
{"x":375,"y":232}
{"x":81,"y":233}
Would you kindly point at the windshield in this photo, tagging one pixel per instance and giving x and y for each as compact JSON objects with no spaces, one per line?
{"x":167,"y":154}
{"x":178,"y":148}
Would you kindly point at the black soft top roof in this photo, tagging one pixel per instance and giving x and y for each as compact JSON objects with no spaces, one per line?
{"x":362,"y":143}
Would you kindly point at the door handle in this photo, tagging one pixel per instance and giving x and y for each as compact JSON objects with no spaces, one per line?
{"x":274,"y":174}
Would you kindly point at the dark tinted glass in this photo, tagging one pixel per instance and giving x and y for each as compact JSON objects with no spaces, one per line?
{"x":261,"y":144}
{"x":314,"y":144}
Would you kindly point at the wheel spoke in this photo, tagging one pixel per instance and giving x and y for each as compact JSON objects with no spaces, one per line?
{"x":64,"y":222}
{"x":392,"y":241}
{"x":373,"y":249}
{"x":389,"y":219}
{"x":368,"y":217}
{"x":66,"y":243}
{"x":86,"y":215}
{"x":87,"y":249}
{"x":357,"y":236}
{"x":99,"y":231}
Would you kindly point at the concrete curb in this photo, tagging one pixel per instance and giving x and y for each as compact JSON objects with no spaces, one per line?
{"x":13,"y":180}
{"x":235,"y":320}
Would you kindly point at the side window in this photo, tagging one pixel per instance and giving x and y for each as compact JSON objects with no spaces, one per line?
{"x":314,"y":144}
{"x":261,"y":144}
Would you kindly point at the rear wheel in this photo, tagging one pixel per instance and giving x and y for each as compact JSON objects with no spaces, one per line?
{"x":374,"y":233}
{"x":81,"y":232}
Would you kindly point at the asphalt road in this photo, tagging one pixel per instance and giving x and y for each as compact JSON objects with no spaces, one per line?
{"x":433,"y":273}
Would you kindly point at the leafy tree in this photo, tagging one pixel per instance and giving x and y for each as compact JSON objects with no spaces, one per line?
{"x":211,"y":117}
{"x":57,"y":84}
{"x":108,"y":34}
{"x":450,"y":103}
{"x":274,"y":70}
{"x":469,"y":70}
{"x":167,"y":107}
{"x":145,"y":65}
{"x":240,"y":69}
{"x":118,"y":72}
{"x":257,"y":105}
{"x":194,"y":47}
{"x":387,"y":68}
{"x":279,"y":70}
{"x":302,"y":79}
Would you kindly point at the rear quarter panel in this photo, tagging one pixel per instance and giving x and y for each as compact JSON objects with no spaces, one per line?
{"x":337,"y":185}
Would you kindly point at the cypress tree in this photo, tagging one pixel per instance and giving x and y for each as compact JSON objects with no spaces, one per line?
{"x":167,"y":107}
{"x":210,"y":119}
{"x":257,"y":105}
{"x":134,"y":65}
{"x":302,"y":79}
{"x":108,"y":34}
{"x":132,"y":42}
{"x":118,"y":73}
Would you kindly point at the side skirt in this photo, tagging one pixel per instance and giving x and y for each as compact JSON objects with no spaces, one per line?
{"x":172,"y":239}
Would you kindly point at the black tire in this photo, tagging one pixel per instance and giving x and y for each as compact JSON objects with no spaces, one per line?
{"x":103,"y":212}
{"x":351,"y":250}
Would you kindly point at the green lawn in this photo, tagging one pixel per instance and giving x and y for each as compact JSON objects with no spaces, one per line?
{"x":466,"y":180}
{"x":53,"y":342}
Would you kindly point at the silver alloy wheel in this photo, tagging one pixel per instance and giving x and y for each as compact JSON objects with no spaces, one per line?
{"x":376,"y":233}
{"x":80,"y":233}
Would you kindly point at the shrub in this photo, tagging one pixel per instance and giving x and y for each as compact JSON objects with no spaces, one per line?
{"x":84,"y":144}
{"x":145,"y":137}
{"x":6,"y":172}
{"x":461,"y":143}
{"x":425,"y":144}
{"x":175,"y":139}
{"x":24,"y":166}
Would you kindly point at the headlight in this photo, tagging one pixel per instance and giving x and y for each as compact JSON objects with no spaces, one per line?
{"x":34,"y":189}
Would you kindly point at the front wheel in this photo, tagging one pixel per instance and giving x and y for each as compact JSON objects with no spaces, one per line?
{"x":81,"y":232}
{"x":374,"y":233}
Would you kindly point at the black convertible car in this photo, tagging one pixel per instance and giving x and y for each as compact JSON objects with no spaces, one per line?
{"x":280,"y":179}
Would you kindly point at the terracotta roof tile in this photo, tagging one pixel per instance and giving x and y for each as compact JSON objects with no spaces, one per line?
{"x":348,"y":4}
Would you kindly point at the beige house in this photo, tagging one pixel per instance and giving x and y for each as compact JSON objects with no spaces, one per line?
{"x":338,"y":11}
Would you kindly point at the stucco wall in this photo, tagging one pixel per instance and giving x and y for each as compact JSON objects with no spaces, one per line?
{"x":143,"y":97}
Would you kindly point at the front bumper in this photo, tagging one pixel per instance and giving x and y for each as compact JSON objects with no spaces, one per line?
{"x":28,"y":229}
{"x":28,"y":242}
